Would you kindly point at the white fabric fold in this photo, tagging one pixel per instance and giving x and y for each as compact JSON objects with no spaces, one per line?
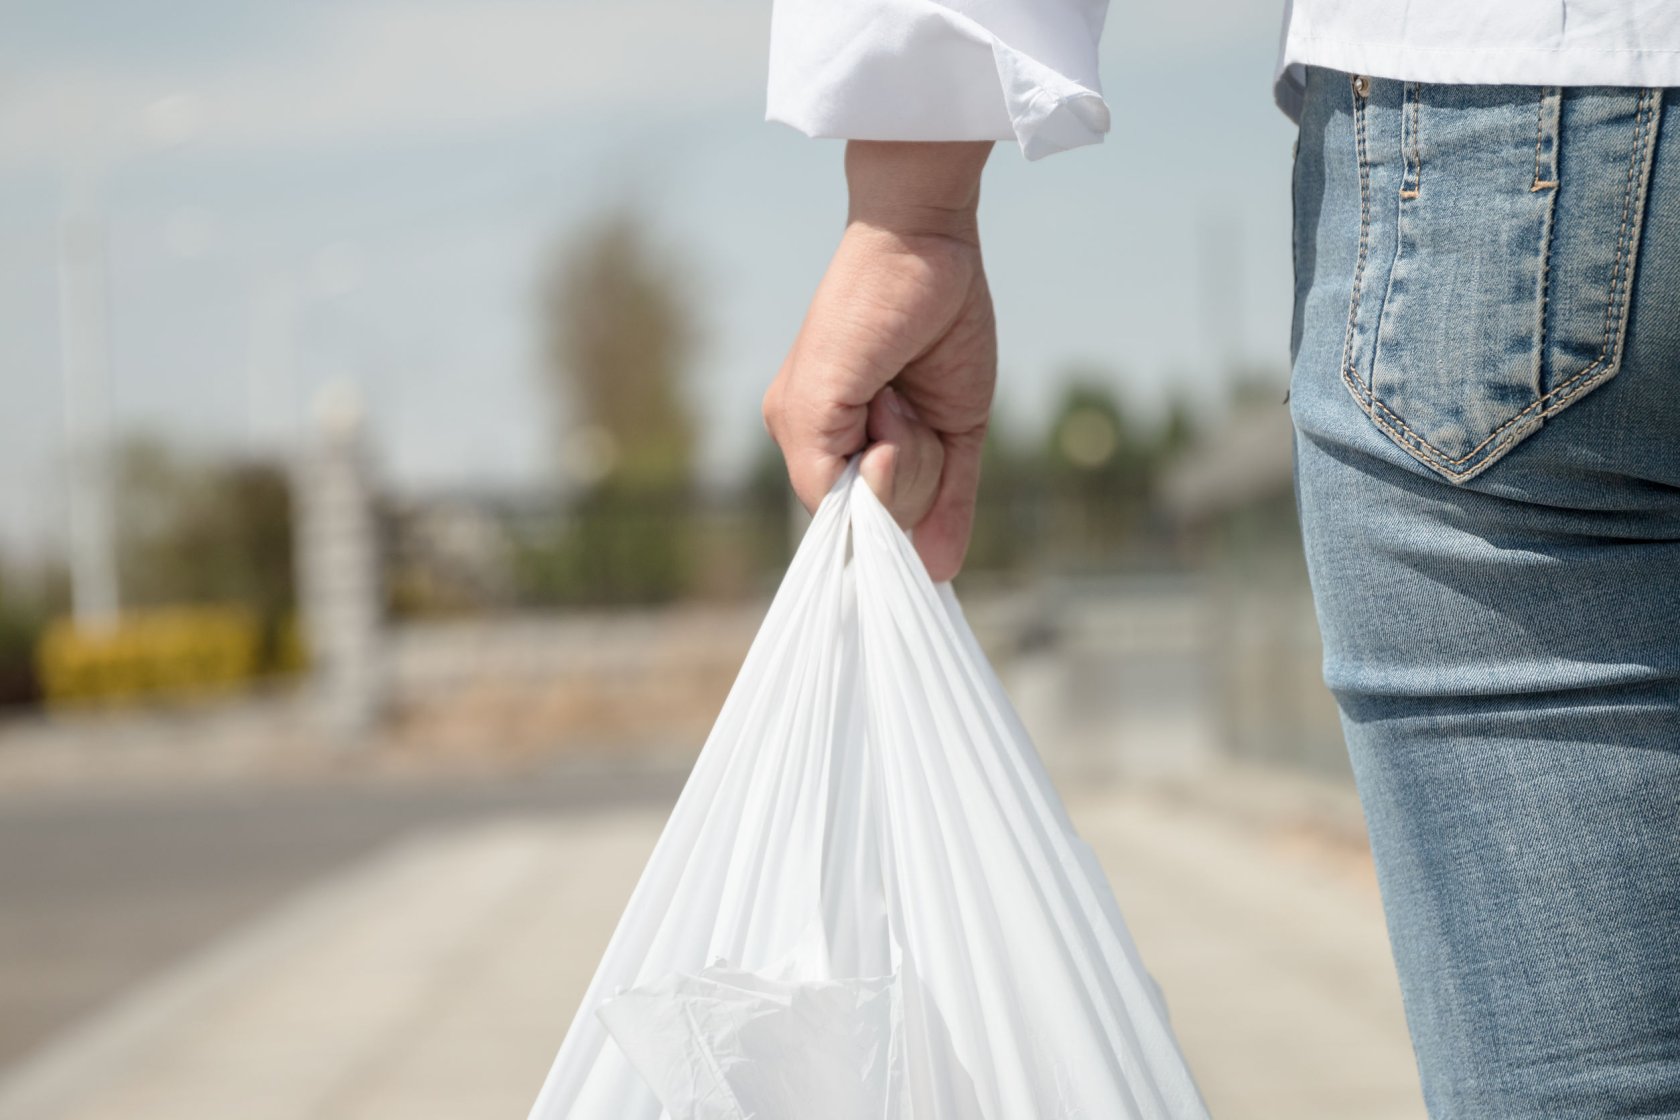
{"x":1491,"y":42}
{"x":1022,"y":70}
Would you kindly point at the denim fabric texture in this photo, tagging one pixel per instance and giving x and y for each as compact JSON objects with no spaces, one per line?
{"x":1486,"y":397}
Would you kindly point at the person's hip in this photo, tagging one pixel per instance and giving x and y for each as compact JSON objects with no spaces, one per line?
{"x":1486,"y":396}
{"x":1487,"y":375}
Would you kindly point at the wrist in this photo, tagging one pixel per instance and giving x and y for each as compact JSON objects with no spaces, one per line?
{"x":915,"y":188}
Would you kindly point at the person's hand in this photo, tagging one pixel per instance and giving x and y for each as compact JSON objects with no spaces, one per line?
{"x":898,"y":352}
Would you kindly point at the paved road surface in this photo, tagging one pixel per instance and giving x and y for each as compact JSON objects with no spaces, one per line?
{"x":102,"y":890}
{"x":358,"y":951}
{"x":435,"y":978}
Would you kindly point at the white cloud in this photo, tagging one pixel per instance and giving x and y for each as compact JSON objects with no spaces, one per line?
{"x":394,"y":69}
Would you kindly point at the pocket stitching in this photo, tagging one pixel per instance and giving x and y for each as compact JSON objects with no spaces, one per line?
{"x":1560,"y":396}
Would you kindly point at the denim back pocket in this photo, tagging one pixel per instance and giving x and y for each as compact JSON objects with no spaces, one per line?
{"x":1499,"y":230}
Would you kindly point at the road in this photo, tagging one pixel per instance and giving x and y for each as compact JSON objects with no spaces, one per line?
{"x":434,"y":979}
{"x":101,"y":890}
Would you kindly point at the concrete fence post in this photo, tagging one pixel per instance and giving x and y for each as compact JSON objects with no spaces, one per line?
{"x":340,"y":588}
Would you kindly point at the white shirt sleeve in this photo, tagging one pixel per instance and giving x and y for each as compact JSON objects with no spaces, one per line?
{"x":1023,"y":70}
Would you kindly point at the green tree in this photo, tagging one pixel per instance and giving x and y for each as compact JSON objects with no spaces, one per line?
{"x":1177,"y":431}
{"x":619,"y":337}
{"x":204,"y":531}
{"x":1099,"y":465}
{"x":1008,"y":516}
{"x":196,"y":531}
{"x":27,"y":601}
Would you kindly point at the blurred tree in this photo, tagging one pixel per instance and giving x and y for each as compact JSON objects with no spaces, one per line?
{"x":1100,"y":464}
{"x":1009,"y":513}
{"x":194,"y":531}
{"x":769,"y":498}
{"x":1256,"y":386}
{"x":1177,"y":431}
{"x":1090,"y":434}
{"x":619,"y":335}
{"x":27,"y":602}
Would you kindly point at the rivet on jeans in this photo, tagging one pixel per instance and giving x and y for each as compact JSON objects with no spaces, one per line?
{"x":1361,"y":85}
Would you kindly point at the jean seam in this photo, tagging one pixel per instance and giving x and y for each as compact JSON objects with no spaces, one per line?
{"x":1547,"y":221}
{"x":1561,"y":396}
{"x":1294,"y":254}
{"x":1364,"y":230}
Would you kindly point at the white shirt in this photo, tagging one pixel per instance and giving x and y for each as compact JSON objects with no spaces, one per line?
{"x":1026,"y":70}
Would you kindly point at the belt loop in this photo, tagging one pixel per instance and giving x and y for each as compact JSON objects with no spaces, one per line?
{"x":1411,"y":182}
{"x":1546,"y":138}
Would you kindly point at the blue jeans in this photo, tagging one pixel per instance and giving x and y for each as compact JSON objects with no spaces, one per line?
{"x":1486,"y":396}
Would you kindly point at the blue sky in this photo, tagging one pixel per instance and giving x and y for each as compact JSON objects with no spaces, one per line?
{"x":298,"y":191}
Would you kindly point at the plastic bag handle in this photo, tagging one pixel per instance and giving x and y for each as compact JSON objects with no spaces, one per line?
{"x":851,"y":517}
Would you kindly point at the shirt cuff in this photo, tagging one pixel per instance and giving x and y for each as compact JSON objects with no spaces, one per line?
{"x":1024,"y":70}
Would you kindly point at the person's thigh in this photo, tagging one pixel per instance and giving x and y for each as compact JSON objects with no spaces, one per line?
{"x":1486,"y":393}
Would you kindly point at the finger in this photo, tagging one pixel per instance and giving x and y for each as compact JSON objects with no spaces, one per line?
{"x":813,"y":474}
{"x":815,"y":452}
{"x":903,"y":462}
{"x":942,"y":536}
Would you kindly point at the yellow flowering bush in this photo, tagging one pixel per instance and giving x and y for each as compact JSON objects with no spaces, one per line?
{"x":167,"y":652}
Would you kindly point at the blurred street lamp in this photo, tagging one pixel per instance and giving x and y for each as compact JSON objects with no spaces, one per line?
{"x":85,"y":355}
{"x":283,"y":302}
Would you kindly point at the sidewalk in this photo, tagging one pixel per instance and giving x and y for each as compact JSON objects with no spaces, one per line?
{"x":437,"y":979}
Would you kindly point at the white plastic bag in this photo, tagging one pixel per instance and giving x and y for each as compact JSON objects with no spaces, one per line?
{"x":869,"y":903}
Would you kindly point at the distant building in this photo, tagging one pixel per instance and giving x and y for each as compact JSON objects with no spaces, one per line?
{"x":1245,"y":463}
{"x":1230,"y":500}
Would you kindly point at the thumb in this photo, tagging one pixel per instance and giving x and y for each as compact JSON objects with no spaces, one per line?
{"x":903,"y":463}
{"x":942,"y":535}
